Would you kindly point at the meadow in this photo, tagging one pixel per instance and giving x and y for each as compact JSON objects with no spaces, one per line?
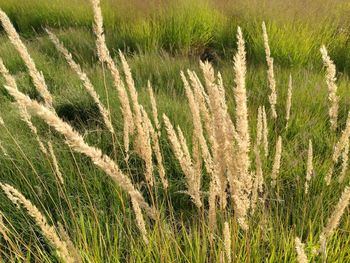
{"x":92,"y":189}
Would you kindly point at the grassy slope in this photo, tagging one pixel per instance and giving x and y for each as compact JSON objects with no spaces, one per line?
{"x":94,"y":212}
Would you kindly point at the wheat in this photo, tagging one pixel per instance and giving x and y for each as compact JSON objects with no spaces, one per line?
{"x":84,"y":78}
{"x":289,"y":100}
{"x":49,"y":231}
{"x":309,"y":167}
{"x":299,"y":247}
{"x":277,"y":161}
{"x":227,"y":241}
{"x":77,"y":143}
{"x":55,"y":163}
{"x":10,"y":81}
{"x":332,"y":87}
{"x":37,"y":77}
{"x":270,"y":73}
{"x":345,"y":159}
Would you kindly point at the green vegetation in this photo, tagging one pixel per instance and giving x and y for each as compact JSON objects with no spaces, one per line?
{"x":159,"y":42}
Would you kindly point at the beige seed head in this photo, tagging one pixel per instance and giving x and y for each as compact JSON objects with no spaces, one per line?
{"x":299,"y":247}
{"x":289,"y":100}
{"x":37,"y":77}
{"x":332,"y":87}
{"x":49,"y":231}
{"x":277,"y":161}
{"x":265,"y":132}
{"x":345,"y":159}
{"x":309,"y":168}
{"x":227,"y":240}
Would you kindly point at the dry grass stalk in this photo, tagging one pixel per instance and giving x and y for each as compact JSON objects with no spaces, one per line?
{"x":299,"y":247}
{"x":154,"y":107}
{"x":309,"y":167}
{"x":193,"y":182}
{"x":289,"y":100}
{"x":84,"y":78}
{"x":338,"y":149}
{"x":55,"y":163}
{"x":277,"y":161}
{"x":37,"y":77}
{"x":49,"y":231}
{"x":227,"y":241}
{"x":265,"y":132}
{"x":259,"y":127}
{"x":332,"y":87}
{"x":258,"y":180}
{"x":10,"y":81}
{"x":142,"y":140}
{"x":243,"y":146}
{"x":104,"y":57}
{"x":270,"y":73}
{"x":77,"y":143}
{"x":140,"y":220}
{"x":345,"y":159}
{"x":334,"y":219}
{"x":217,"y":133}
{"x":70,"y":245}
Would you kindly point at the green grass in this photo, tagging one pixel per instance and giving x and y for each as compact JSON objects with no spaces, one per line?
{"x":94,"y":211}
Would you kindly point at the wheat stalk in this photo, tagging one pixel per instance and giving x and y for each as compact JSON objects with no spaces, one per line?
{"x":332,"y":87}
{"x":77,"y":143}
{"x":49,"y":231}
{"x":37,"y":77}
{"x":84,"y":78}
{"x":270,"y":73}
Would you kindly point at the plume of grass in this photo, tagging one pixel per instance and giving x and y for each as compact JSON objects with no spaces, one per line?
{"x":258,"y":180}
{"x":10,"y":81}
{"x":289,"y":100}
{"x":105,"y":57}
{"x":154,"y":106}
{"x":37,"y":77}
{"x":142,"y":140}
{"x":193,"y":182}
{"x":334,"y":219}
{"x":309,"y":167}
{"x":259,"y":126}
{"x":227,"y":241}
{"x":332,"y":87}
{"x":49,"y":231}
{"x":140,"y":220}
{"x":77,"y":143}
{"x":270,"y":73}
{"x":345,"y":159}
{"x":265,"y":132}
{"x":84,"y":78}
{"x":277,"y":161}
{"x":70,"y":245}
{"x":338,"y":148}
{"x":299,"y":247}
{"x":55,"y":163}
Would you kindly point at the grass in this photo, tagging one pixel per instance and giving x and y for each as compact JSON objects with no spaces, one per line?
{"x":94,"y":211}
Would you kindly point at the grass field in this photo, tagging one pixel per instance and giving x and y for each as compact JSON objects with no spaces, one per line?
{"x":160,"y":39}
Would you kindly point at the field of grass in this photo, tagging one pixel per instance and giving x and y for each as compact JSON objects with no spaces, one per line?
{"x":160,"y":39}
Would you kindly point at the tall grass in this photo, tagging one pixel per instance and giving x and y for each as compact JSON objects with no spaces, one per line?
{"x":234,"y":203}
